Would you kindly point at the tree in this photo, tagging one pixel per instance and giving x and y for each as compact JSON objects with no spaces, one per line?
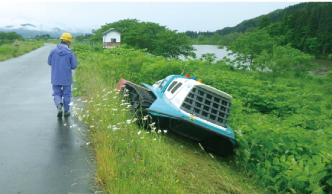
{"x":172,"y":44}
{"x":210,"y":57}
{"x":201,"y":38}
{"x":284,"y":59}
{"x":215,"y":38}
{"x":250,"y":29}
{"x":79,"y":38}
{"x":228,"y":39}
{"x":12,"y":36}
{"x":300,"y":24}
{"x":265,"y":22}
{"x":302,"y":62}
{"x":250,"y":45}
{"x":312,"y":24}
{"x":156,"y":39}
{"x":191,"y":34}
{"x":121,"y":26}
{"x":262,"y":61}
{"x":312,"y":45}
{"x":274,"y":29}
{"x":329,"y":75}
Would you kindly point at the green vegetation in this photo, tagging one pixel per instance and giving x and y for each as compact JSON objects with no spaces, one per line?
{"x":43,"y":37}
{"x":305,"y":26}
{"x":261,"y":52}
{"x":157,"y":40}
{"x":210,"y":57}
{"x":8,"y":51}
{"x":273,"y":17}
{"x":283,"y":128}
{"x":9,"y":37}
{"x":250,"y":45}
{"x":265,"y":22}
{"x":131,"y":159}
{"x":215,"y":39}
{"x":307,"y":29}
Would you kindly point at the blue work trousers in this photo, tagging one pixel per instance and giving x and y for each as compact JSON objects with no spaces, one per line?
{"x":62,"y":94}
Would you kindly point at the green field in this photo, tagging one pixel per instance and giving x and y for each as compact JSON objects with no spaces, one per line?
{"x":8,"y":51}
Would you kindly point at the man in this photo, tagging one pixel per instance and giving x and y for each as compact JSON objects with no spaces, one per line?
{"x":62,"y":60}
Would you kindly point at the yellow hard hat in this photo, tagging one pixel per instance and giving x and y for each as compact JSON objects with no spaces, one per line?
{"x":67,"y":37}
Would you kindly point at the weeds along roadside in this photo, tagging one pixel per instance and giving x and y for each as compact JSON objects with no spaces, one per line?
{"x":135,"y":160}
{"x":122,"y":149}
{"x":8,"y":51}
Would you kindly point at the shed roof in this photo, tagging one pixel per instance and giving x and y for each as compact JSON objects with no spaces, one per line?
{"x":110,"y":30}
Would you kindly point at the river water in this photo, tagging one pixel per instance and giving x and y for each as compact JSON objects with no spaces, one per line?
{"x":323,"y":64}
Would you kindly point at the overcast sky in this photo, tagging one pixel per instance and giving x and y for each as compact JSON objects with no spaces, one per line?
{"x":181,"y":16}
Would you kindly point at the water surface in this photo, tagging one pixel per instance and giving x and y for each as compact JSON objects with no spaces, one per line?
{"x":324,"y":65}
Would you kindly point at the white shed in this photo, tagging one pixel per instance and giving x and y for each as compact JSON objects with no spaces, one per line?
{"x":111,"y":38}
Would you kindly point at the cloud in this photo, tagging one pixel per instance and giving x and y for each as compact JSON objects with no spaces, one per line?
{"x":181,"y":16}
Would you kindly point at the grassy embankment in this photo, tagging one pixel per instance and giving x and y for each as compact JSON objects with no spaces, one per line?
{"x":283,"y":129}
{"x":8,"y":51}
{"x":131,"y":159}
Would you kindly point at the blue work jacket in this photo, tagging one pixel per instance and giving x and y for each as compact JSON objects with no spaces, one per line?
{"x":62,"y":60}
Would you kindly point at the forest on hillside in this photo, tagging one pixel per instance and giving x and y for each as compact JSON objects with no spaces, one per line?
{"x":306,"y":26}
{"x":308,"y":30}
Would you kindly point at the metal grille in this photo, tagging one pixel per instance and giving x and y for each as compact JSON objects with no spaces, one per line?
{"x":207,"y":105}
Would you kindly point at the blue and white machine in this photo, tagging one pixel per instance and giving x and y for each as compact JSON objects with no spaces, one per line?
{"x":189,"y":107}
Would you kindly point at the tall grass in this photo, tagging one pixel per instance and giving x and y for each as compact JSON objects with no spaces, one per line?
{"x":8,"y":51}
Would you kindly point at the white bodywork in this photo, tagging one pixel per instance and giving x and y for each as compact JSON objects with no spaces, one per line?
{"x":187,"y":84}
{"x":178,"y":96}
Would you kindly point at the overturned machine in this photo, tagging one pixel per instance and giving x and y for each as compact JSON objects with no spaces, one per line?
{"x":189,"y":107}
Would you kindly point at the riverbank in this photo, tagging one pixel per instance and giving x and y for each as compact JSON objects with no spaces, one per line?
{"x":324,"y":65}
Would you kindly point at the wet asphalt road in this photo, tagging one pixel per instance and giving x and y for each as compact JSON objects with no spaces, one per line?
{"x":38,"y":153}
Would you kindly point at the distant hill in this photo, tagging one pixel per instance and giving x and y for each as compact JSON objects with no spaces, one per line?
{"x":274,"y":16}
{"x":30,"y":31}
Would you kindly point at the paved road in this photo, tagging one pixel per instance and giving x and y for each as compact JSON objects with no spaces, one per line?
{"x":38,"y":153}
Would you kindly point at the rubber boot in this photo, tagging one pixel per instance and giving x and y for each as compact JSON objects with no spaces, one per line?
{"x":67,"y":114}
{"x":59,"y":107}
